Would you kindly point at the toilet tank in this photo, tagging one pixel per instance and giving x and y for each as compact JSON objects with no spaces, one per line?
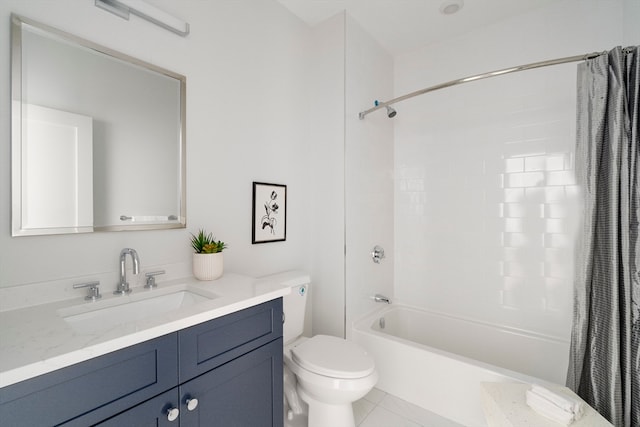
{"x":294,"y":308}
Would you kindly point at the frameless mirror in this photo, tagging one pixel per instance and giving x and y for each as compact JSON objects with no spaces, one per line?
{"x":98,"y":137}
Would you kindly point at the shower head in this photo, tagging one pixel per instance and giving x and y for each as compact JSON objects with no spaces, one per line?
{"x":391,"y":112}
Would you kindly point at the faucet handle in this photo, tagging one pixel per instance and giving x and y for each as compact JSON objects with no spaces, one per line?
{"x":94,"y":290}
{"x":151,"y":278}
{"x":377,"y":254}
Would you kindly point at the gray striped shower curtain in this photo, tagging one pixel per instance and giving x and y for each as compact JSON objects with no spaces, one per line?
{"x":604,"y":366}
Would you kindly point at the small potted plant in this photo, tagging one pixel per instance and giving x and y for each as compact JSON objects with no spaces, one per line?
{"x":207,"y":259}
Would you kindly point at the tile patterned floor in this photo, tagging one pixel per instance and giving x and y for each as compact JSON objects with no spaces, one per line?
{"x":379,"y":409}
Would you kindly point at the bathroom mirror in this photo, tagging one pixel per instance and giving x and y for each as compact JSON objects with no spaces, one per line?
{"x":98,"y":137}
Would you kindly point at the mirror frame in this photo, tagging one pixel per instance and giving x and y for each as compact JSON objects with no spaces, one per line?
{"x":17,"y":23}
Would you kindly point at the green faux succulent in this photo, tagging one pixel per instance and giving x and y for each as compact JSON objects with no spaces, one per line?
{"x":205,"y":243}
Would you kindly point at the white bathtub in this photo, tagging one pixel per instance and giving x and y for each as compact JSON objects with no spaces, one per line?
{"x":438,"y":362}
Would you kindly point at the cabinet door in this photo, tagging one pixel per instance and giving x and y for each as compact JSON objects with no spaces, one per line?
{"x":244,"y":392}
{"x":152,"y":413}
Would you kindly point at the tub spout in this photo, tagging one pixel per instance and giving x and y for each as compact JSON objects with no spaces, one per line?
{"x":381,"y":298}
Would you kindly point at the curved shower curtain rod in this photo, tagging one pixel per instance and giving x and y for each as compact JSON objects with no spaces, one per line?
{"x":576,"y":58}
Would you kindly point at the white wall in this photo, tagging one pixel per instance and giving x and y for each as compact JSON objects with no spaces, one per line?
{"x":247,"y":68}
{"x":486,"y":204}
{"x":326,"y":169}
{"x":369,"y":172}
{"x":631,"y":27}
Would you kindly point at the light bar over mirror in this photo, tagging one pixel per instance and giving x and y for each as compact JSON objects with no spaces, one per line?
{"x":146,"y":11}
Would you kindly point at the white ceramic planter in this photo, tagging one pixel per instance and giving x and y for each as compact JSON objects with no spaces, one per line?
{"x":208,"y":266}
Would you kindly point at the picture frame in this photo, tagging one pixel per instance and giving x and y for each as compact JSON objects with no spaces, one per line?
{"x":269,"y":215}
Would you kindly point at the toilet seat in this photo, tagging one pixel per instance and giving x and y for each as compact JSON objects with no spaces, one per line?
{"x":333,"y":357}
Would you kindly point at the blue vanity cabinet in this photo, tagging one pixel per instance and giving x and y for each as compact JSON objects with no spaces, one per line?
{"x":246,"y":392}
{"x":230,"y":374}
{"x":90,"y":391}
{"x":224,"y":372}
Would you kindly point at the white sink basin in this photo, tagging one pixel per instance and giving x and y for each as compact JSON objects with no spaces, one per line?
{"x":103,"y":315}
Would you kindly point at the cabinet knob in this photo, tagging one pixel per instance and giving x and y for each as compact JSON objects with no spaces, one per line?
{"x":172,"y":414}
{"x":192,"y":403}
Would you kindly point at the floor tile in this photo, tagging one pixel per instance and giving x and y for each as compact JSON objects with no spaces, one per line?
{"x":361,"y":409}
{"x":415,"y":413}
{"x":381,"y":417}
{"x":375,"y":396}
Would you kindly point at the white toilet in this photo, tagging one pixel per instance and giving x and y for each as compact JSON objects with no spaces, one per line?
{"x":330,"y":373}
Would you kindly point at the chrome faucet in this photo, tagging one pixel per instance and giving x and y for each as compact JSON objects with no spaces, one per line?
{"x":123,"y":285}
{"x":381,"y":298}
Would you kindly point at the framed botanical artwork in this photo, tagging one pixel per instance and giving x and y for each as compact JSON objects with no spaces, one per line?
{"x":269,"y":213}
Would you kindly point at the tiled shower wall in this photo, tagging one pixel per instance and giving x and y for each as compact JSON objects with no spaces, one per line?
{"x":486,"y":207}
{"x":486,"y":204}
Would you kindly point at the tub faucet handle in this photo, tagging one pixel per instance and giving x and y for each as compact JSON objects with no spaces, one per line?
{"x":377,"y":254}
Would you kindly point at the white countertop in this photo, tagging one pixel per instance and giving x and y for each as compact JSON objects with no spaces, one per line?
{"x":504,"y":405}
{"x":36,"y":340}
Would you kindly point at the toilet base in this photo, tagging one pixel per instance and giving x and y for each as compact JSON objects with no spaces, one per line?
{"x":324,"y":414}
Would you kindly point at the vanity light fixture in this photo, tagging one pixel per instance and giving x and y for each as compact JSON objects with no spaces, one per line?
{"x":123,"y":8}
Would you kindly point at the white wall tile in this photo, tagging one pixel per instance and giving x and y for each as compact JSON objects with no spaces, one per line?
{"x":491,"y":236}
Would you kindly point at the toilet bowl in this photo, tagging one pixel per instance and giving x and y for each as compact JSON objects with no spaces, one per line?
{"x":323,"y":375}
{"x":331,"y":374}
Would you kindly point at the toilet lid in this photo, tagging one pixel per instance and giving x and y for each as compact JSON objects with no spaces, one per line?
{"x":333,"y":357}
